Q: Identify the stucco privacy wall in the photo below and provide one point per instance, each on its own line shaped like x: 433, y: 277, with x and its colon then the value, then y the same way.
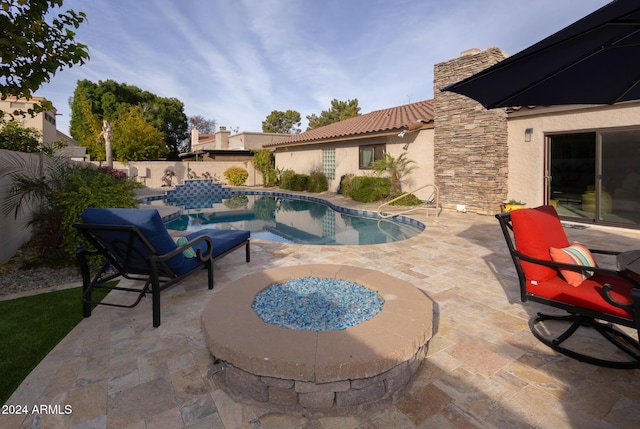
x: 307, y: 158
x: 527, y: 168
x: 14, y: 232
x: 470, y: 142
x: 150, y: 173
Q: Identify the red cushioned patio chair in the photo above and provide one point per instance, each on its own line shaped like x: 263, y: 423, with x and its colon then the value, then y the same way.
x: 136, y: 245
x: 553, y: 272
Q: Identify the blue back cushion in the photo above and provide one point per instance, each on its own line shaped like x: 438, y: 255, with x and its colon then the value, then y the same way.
x: 148, y: 221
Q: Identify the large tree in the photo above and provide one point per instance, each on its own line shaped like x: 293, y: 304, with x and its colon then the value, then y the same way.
x: 33, y: 48
x: 109, y: 100
x: 282, y: 122
x: 135, y: 139
x: 203, y: 125
x: 340, y: 110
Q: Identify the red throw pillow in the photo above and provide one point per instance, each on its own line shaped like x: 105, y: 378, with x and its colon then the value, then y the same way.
x: 535, y: 231
x: 576, y: 254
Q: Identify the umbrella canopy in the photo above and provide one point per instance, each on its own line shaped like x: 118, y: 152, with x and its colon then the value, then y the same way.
x: 595, y: 60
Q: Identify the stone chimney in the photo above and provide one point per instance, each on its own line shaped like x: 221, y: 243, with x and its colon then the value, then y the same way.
x: 222, y: 138
x: 470, y: 142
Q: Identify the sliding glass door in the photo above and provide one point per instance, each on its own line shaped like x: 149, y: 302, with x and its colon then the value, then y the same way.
x: 595, y: 176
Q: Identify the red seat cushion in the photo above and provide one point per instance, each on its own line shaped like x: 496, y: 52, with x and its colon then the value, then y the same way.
x: 588, y: 294
x: 535, y: 231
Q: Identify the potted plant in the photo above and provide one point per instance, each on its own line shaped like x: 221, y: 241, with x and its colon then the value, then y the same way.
x: 512, y: 205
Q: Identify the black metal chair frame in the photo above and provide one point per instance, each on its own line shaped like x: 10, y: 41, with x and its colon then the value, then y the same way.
x: 132, y: 264
x: 579, y: 316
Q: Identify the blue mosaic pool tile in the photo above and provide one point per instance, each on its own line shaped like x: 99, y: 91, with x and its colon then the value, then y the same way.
x: 196, y: 193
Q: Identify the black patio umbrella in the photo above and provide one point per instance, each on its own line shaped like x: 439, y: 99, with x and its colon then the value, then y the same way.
x: 595, y: 60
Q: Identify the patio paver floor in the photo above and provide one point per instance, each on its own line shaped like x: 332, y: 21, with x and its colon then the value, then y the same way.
x: 483, y: 368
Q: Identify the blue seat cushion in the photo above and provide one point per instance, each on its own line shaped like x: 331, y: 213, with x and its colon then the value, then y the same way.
x: 150, y: 225
x: 223, y: 241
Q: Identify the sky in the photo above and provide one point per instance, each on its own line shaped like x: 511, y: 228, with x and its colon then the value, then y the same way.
x: 236, y: 61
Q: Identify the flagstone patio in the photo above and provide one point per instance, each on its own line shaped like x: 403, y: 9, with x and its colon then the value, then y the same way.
x: 483, y: 367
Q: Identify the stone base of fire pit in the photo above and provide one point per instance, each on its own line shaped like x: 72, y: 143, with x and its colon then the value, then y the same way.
x: 327, y: 372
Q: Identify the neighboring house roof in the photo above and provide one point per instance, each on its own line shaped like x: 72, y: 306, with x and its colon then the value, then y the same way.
x: 409, y: 117
x: 68, y: 140
x: 206, y: 138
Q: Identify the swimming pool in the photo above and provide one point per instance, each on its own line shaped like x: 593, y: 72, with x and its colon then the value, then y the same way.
x: 289, y: 219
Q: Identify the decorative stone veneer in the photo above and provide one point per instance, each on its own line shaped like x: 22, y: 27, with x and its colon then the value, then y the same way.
x: 334, y: 372
x: 470, y: 142
x: 304, y: 397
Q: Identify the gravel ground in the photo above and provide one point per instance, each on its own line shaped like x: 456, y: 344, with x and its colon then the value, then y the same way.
x: 15, y: 279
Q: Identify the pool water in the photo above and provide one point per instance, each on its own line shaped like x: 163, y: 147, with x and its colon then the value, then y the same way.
x: 292, y: 220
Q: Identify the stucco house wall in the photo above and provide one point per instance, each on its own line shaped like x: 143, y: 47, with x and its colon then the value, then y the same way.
x: 223, y: 139
x: 305, y: 159
x: 252, y: 140
x: 45, y: 122
x: 527, y: 163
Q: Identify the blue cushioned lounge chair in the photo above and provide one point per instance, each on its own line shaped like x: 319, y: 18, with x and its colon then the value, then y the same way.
x: 136, y: 245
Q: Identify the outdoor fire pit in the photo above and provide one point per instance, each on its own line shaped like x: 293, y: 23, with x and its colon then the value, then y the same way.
x: 320, y: 339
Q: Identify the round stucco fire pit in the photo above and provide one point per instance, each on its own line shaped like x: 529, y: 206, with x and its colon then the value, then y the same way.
x: 315, y: 370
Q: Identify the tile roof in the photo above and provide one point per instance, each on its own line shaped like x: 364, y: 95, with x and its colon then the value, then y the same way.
x: 206, y: 137
x: 408, y: 117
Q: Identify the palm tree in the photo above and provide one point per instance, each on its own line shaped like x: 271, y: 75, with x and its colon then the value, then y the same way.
x: 36, y: 185
x: 397, y: 168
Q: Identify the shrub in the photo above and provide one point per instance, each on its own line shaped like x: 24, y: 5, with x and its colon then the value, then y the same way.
x: 264, y: 161
x: 300, y: 182
x: 286, y: 179
x: 318, y: 182
x: 293, y: 181
x: 64, y: 191
x: 407, y: 200
x: 367, y: 189
x: 236, y: 176
x: 345, y: 185
x: 273, y: 178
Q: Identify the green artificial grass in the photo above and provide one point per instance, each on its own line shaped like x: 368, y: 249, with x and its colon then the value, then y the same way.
x: 30, y: 327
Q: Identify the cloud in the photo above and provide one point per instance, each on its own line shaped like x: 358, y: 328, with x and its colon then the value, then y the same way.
x: 235, y: 62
